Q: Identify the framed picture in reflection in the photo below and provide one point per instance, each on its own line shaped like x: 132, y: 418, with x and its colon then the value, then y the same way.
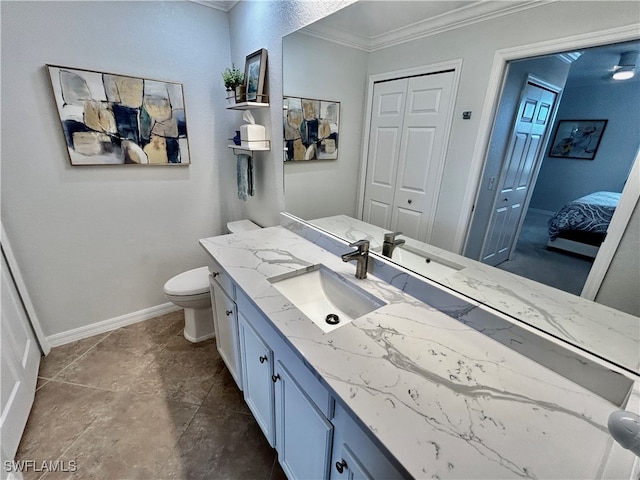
x: 577, y: 138
x: 311, y: 129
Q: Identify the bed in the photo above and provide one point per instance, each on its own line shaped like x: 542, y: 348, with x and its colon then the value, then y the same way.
x: 581, y: 225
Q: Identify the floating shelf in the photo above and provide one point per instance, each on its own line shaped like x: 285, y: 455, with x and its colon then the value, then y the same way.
x: 253, y: 148
x: 247, y: 105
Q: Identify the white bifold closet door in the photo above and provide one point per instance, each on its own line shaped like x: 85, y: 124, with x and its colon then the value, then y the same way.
x: 410, y: 119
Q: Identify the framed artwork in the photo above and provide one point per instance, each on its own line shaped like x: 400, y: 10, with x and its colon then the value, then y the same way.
x: 110, y: 119
x: 577, y: 138
x: 311, y: 129
x: 255, y: 69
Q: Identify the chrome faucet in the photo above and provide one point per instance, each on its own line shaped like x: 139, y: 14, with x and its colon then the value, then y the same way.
x: 361, y: 256
x: 390, y: 243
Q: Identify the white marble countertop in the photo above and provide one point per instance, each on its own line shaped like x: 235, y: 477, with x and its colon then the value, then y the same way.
x: 445, y: 400
x: 609, y: 333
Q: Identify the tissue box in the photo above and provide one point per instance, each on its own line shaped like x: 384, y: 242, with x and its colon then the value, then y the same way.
x: 253, y: 136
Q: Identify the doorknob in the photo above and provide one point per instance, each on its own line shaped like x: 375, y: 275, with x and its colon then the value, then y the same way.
x: 409, y: 201
x: 229, y: 312
x: 505, y: 199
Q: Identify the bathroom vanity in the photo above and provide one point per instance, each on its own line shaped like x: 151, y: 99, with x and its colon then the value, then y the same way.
x: 408, y: 389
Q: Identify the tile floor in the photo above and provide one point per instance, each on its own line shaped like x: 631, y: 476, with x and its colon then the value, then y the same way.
x: 141, y: 402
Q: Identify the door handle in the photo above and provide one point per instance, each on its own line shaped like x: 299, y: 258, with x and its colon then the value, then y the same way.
x: 263, y: 359
x: 275, y: 378
x: 340, y: 466
x: 505, y: 199
x: 409, y: 201
x: 229, y: 312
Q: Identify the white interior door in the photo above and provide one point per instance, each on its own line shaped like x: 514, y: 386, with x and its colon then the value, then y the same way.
x: 518, y: 171
x: 422, y: 154
x: 387, y: 116
x: 20, y: 357
x: 410, y: 122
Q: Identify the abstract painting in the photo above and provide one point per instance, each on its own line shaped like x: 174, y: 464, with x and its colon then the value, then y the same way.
x: 577, y: 138
x: 310, y: 129
x: 110, y: 119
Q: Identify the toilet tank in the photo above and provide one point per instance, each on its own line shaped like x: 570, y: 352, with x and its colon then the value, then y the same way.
x: 240, y: 226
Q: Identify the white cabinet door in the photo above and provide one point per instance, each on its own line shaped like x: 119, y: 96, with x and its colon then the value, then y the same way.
x: 225, y: 321
x: 257, y: 368
x: 303, y: 434
x: 355, y: 456
x: 20, y: 357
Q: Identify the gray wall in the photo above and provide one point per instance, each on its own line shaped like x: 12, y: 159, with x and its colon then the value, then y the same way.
x: 315, y: 68
x: 620, y: 288
x: 255, y: 25
x: 95, y: 243
x: 564, y: 179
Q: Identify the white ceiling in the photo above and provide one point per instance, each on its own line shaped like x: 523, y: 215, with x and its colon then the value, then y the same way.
x: 596, y: 64
x: 375, y: 24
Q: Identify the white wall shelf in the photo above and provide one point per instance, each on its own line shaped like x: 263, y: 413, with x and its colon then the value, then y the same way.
x: 264, y: 146
x: 247, y: 105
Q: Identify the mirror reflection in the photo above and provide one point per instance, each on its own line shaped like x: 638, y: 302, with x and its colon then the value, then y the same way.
x: 408, y: 138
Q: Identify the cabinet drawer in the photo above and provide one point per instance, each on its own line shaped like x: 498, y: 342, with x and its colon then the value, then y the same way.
x: 222, y: 278
x: 306, y: 378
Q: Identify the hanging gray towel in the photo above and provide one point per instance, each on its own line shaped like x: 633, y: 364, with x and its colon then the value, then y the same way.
x: 245, y: 176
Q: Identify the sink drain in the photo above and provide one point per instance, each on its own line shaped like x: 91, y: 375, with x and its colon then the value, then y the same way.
x: 332, y: 319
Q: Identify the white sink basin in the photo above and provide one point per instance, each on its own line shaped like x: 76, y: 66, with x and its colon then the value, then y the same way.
x: 322, y: 295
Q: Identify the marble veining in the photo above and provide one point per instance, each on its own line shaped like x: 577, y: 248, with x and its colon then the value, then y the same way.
x: 444, y: 399
x: 611, y: 334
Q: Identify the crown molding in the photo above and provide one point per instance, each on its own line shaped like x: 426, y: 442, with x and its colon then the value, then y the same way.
x: 225, y: 6
x: 461, y: 17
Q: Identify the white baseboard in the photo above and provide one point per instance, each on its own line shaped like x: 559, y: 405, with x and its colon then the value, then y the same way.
x: 86, y: 331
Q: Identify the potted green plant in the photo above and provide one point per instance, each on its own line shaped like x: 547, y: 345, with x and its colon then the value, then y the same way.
x: 234, y: 82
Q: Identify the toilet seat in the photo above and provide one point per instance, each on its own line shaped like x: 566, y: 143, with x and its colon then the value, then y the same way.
x: 191, y: 282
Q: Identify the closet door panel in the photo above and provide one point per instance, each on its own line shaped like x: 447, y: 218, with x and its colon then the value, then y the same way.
x: 384, y: 147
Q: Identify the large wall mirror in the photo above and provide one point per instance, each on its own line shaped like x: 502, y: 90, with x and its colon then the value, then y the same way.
x: 385, y: 60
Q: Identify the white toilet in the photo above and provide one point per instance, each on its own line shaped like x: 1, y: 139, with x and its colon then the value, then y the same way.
x: 190, y: 290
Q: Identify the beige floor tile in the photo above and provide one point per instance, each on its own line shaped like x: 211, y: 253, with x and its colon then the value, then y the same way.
x: 187, y: 371
x: 41, y: 382
x: 138, y: 435
x: 127, y: 405
x: 59, y: 416
x: 107, y: 368
x: 225, y: 395
x: 62, y: 356
x: 161, y: 329
x: 221, y: 444
x: 130, y: 359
